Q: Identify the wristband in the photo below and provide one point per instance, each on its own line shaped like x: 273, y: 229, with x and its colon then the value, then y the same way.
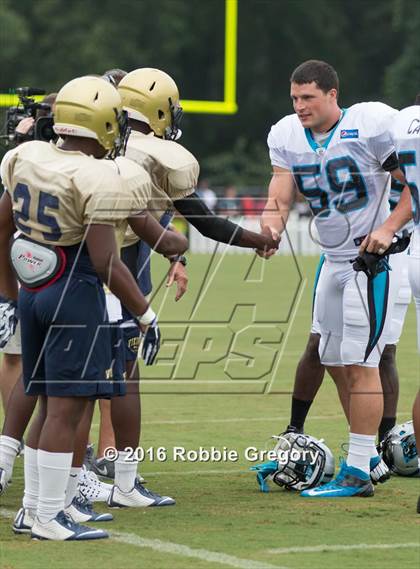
x: 178, y: 259
x: 148, y: 317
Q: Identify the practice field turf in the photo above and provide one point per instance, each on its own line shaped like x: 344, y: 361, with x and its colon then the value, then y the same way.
x: 198, y: 397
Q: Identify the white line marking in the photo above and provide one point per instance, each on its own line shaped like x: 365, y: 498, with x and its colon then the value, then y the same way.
x: 321, y: 548
x: 178, y: 549
x: 202, y: 554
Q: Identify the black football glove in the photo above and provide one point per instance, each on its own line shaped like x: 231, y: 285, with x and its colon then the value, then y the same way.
x: 372, y: 263
x: 151, y: 343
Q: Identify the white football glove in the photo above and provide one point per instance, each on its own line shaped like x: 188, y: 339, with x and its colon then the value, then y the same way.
x: 8, y: 320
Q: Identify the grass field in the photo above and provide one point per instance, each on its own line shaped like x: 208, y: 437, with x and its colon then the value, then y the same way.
x: 198, y: 396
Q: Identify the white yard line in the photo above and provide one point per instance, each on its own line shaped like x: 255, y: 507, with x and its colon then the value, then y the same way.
x: 321, y: 548
x: 185, y: 551
x: 178, y: 549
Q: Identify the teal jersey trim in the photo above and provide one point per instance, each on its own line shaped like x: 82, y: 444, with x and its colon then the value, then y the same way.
x: 313, y: 143
x: 377, y: 289
x: 318, y: 274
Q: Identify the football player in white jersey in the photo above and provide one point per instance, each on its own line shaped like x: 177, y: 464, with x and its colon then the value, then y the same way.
x: 340, y: 161
x: 310, y: 372
x: 406, y: 134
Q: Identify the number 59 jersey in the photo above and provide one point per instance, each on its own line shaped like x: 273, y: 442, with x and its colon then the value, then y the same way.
x: 56, y: 193
x: 342, y: 179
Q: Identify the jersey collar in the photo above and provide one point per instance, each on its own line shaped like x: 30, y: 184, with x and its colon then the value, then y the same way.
x: 313, y: 143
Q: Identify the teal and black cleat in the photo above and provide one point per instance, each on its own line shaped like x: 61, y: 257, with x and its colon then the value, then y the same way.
x: 350, y: 482
x: 263, y: 471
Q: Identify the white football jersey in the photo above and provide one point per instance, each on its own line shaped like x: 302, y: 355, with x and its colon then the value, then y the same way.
x: 342, y: 179
x: 406, y: 135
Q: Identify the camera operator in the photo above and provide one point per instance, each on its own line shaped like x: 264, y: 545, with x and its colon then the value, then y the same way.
x: 11, y: 365
x: 25, y: 129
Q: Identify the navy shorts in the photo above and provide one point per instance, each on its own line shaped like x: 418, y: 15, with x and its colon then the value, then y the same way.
x: 118, y: 360
x: 66, y: 338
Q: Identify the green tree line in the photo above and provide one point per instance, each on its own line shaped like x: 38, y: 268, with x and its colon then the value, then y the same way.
x: 373, y: 44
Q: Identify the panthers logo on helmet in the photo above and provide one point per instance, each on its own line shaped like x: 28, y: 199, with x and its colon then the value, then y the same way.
x: 399, y: 450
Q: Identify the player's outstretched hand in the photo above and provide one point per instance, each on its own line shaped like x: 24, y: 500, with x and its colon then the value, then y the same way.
x: 151, y: 342
x: 378, y: 241
x: 272, y: 240
x: 8, y: 320
x: 178, y: 274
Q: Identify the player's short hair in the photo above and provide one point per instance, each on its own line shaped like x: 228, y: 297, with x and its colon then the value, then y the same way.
x: 114, y: 76
x: 320, y: 72
x: 417, y: 100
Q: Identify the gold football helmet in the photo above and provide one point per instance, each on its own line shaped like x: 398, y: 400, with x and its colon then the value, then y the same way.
x: 151, y: 96
x: 91, y: 107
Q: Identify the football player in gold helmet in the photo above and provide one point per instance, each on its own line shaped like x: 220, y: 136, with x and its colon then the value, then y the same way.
x: 66, y: 202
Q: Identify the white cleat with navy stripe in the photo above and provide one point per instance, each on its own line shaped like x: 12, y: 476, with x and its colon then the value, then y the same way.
x: 81, y: 511
x: 138, y: 497
x: 23, y: 522
x: 63, y: 528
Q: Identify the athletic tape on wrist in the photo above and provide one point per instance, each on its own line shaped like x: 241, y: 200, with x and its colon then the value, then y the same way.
x: 147, y: 317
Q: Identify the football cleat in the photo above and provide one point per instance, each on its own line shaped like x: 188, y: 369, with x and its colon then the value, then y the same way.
x: 138, y: 497
x: 379, y: 471
x: 3, y: 481
x: 350, y: 482
x: 23, y: 522
x: 91, y: 488
x: 63, y: 528
x: 81, y: 511
x: 418, y: 505
x: 103, y: 467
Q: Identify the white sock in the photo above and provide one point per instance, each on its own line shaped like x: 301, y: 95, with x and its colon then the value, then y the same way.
x: 8, y: 450
x: 360, y: 451
x: 125, y: 472
x: 30, y: 467
x: 373, y: 451
x: 72, y: 484
x: 54, y: 469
